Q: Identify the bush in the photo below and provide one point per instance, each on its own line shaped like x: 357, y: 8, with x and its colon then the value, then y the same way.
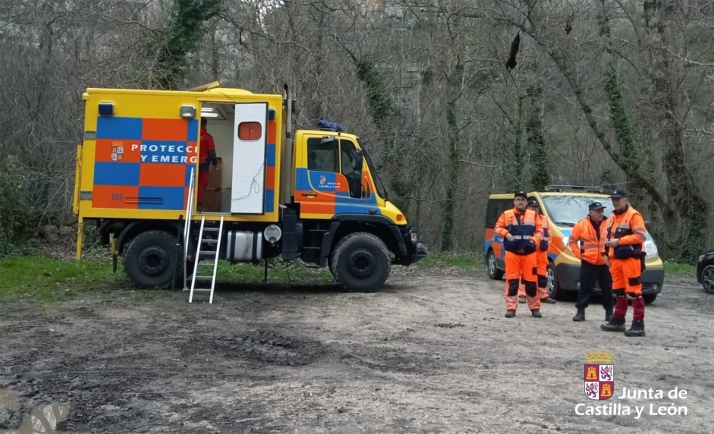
x: 18, y: 217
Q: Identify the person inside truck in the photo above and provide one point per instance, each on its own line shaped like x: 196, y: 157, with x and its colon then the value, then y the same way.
x: 207, y: 157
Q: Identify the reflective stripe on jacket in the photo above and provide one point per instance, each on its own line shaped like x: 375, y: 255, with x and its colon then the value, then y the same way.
x: 592, y: 241
x: 526, y: 228
x: 629, y: 229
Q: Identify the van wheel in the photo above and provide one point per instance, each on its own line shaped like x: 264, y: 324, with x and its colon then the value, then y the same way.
x: 493, y: 271
x: 150, y: 259
x: 360, y: 262
x: 649, y: 298
x: 554, y: 290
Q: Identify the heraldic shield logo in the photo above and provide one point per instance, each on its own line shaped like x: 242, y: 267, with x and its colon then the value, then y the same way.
x: 599, y: 375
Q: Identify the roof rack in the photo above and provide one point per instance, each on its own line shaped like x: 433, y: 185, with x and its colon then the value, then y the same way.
x: 584, y: 188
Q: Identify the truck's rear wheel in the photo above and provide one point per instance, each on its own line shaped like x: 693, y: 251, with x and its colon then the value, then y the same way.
x: 150, y: 259
x: 360, y: 262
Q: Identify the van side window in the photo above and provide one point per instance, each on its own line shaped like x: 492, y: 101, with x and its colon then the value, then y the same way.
x: 495, y: 209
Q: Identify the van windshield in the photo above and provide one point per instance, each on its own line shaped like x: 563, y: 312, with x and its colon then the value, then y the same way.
x: 567, y: 210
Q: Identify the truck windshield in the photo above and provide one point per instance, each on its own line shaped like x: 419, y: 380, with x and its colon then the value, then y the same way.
x: 381, y: 191
x: 567, y: 210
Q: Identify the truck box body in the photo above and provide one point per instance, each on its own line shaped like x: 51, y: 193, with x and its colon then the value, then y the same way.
x: 137, y: 161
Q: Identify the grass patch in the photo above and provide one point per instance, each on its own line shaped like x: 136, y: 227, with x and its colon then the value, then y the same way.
x: 279, y: 272
x: 463, y: 261
x: 53, y: 280
x: 679, y: 269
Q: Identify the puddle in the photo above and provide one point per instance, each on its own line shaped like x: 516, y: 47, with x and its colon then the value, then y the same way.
x: 43, y: 419
x: 8, y: 399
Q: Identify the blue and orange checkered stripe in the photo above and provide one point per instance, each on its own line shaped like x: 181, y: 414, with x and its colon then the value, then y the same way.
x: 144, y: 163
x: 270, y: 155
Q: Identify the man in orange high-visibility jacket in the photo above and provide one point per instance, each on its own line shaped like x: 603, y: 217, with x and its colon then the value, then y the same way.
x: 541, y: 260
x: 626, y: 235
x: 587, y: 241
x: 521, y: 230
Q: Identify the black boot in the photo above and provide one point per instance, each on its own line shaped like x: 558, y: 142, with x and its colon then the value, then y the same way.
x: 608, y: 314
x: 580, y: 316
x: 614, y: 325
x: 536, y: 313
x: 636, y: 329
x: 510, y: 313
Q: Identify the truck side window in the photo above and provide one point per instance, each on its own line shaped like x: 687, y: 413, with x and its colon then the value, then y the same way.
x: 323, y: 157
x: 354, y: 178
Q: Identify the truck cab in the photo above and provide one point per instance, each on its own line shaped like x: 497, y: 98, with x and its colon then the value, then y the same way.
x: 312, y: 195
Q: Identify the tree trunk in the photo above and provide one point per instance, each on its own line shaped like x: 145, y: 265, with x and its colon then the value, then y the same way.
x: 453, y: 91
x: 540, y: 169
x: 686, y: 221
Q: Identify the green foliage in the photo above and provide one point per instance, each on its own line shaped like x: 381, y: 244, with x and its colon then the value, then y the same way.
x: 630, y: 152
x: 679, y: 269
x: 460, y: 261
x: 694, y: 241
x: 540, y: 165
x: 52, y: 280
x: 18, y: 218
x: 452, y: 183
x: 180, y: 37
x: 381, y: 103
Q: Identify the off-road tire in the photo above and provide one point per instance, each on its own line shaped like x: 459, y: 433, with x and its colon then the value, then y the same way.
x: 360, y: 262
x: 149, y: 260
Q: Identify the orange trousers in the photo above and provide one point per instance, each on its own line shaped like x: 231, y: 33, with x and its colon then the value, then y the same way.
x: 521, y: 269
x: 542, y: 276
x: 627, y: 282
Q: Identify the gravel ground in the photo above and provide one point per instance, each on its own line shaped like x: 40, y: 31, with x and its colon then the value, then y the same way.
x: 429, y: 353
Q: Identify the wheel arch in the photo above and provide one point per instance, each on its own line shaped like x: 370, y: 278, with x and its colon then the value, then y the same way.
x: 140, y: 226
x: 345, y: 224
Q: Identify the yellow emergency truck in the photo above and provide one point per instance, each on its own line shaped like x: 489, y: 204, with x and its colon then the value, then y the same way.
x: 307, y: 194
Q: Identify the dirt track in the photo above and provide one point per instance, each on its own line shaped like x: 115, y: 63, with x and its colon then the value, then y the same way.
x: 427, y: 354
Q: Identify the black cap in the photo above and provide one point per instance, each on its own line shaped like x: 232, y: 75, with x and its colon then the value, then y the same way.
x: 533, y: 202
x: 595, y: 205
x: 619, y: 193
x: 520, y: 193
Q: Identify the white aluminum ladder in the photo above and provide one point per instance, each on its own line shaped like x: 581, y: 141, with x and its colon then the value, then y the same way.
x: 188, y: 219
x: 200, y: 252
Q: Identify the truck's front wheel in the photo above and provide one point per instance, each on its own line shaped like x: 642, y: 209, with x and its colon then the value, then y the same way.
x: 360, y: 262
x: 151, y: 258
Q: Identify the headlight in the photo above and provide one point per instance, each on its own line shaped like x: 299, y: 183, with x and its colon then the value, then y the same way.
x: 650, y: 249
x: 414, y: 237
x: 701, y: 258
x: 272, y: 234
x: 566, y: 242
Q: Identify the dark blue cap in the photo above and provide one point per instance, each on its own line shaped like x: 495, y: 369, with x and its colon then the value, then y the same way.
x: 533, y: 202
x: 595, y: 205
x: 520, y: 193
x: 619, y: 193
